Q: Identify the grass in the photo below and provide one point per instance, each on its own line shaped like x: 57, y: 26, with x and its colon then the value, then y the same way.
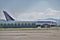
x: 14, y: 29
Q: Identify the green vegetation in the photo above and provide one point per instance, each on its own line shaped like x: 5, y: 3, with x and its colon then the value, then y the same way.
x: 12, y: 29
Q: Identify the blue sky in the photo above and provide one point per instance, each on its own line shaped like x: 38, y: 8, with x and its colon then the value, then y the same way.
x: 29, y: 7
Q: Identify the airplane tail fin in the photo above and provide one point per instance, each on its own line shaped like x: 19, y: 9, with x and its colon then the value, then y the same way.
x: 8, y: 17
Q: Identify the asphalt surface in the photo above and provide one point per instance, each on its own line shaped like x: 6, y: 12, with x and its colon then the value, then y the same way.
x: 30, y: 35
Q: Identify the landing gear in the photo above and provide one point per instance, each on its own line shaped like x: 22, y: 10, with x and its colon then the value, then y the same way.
x: 45, y: 26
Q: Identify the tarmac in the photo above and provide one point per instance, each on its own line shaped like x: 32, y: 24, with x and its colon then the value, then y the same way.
x: 30, y: 35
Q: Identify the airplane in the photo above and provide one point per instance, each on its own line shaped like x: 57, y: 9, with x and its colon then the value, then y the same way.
x: 11, y: 23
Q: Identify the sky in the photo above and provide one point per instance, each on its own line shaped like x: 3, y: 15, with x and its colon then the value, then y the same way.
x: 30, y: 9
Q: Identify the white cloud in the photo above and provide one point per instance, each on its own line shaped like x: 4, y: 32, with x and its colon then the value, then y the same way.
x: 30, y: 16
x: 49, y: 13
x: 53, y: 13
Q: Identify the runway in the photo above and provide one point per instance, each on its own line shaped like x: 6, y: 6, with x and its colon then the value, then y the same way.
x: 30, y: 35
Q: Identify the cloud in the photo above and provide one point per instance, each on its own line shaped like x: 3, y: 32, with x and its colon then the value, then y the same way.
x: 35, y: 15
x: 49, y: 13
x: 52, y: 13
x: 30, y: 16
